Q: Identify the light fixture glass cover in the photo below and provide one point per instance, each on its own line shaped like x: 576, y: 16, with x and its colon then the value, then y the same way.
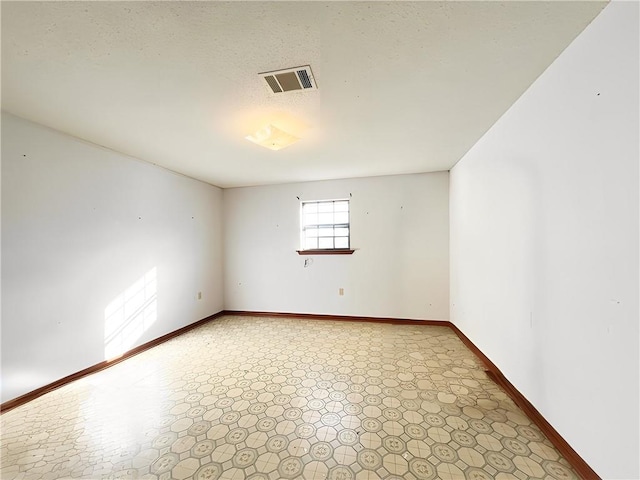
x: 272, y: 138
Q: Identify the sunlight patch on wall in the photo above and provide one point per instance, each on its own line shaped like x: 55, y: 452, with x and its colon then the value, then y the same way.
x: 130, y: 314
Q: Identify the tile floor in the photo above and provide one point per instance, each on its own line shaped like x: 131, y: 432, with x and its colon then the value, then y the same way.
x: 272, y: 398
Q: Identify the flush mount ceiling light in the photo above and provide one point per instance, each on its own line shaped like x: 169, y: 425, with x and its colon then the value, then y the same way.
x: 289, y: 80
x: 272, y: 138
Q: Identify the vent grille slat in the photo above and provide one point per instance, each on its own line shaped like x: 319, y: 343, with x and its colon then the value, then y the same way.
x: 288, y: 81
x: 304, y: 79
x: 273, y: 84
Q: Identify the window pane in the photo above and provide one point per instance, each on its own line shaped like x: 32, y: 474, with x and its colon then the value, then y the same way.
x: 311, y: 232
x: 326, y: 232
x: 325, y: 207
x: 325, y: 218
x: 342, y: 217
x: 310, y: 243
x: 342, y: 232
x: 325, y: 242
x: 309, y: 207
x: 341, y: 206
x: 342, y: 242
x: 311, y: 219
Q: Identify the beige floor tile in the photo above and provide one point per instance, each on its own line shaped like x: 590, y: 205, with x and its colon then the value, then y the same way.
x: 273, y: 398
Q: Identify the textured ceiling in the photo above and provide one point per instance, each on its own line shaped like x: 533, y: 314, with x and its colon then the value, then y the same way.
x: 403, y: 87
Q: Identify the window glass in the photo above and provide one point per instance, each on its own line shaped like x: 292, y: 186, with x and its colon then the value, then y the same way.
x: 325, y: 242
x: 342, y: 242
x: 341, y: 206
x: 342, y: 217
x: 325, y: 218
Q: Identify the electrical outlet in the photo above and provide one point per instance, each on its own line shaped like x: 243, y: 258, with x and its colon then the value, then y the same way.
x: 341, y: 291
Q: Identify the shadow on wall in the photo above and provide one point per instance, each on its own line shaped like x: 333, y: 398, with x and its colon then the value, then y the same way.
x: 130, y: 314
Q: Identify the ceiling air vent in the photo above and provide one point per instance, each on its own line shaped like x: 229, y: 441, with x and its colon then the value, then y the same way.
x: 290, y: 80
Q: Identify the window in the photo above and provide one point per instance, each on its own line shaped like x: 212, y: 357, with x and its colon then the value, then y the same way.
x: 325, y: 227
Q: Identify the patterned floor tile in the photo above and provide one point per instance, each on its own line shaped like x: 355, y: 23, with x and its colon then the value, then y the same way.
x: 272, y: 398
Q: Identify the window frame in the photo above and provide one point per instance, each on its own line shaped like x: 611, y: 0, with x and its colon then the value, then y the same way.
x: 325, y: 251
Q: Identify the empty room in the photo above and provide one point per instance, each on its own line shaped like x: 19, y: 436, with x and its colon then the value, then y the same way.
x: 320, y: 240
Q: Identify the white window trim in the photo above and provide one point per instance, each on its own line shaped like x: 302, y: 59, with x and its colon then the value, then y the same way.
x: 333, y: 225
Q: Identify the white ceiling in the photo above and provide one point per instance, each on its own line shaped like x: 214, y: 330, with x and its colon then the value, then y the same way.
x: 403, y: 87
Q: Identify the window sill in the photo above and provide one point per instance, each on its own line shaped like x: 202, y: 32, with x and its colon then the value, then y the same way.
x: 333, y: 251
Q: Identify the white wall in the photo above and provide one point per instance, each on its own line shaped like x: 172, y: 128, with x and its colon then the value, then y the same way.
x: 80, y: 225
x: 399, y: 226
x: 544, y: 243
